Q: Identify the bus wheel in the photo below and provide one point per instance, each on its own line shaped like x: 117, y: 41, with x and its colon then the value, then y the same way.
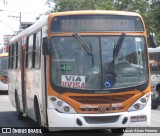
x: 118, y: 131
x: 18, y: 112
x: 37, y: 113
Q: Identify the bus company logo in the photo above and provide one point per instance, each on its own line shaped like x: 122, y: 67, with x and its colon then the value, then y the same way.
x: 102, y: 109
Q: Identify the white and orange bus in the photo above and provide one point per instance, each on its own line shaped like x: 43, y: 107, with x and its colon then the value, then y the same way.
x: 82, y: 70
x: 3, y: 72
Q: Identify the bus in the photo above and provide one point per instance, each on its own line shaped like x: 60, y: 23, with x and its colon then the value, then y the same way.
x: 82, y: 70
x: 154, y: 54
x: 3, y: 72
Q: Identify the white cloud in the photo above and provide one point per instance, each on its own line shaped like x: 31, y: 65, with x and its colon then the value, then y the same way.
x: 29, y: 8
x: 27, y: 5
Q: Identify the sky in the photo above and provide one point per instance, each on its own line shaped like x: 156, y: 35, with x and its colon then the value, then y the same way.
x: 29, y: 9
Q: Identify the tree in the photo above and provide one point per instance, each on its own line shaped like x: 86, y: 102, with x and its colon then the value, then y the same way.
x: 121, y: 4
x: 155, y: 18
x: 127, y: 5
x: 51, y: 5
x: 70, y: 5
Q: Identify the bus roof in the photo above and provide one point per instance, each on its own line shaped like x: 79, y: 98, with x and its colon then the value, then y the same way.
x: 153, y: 50
x: 111, y: 12
x: 44, y: 21
x: 4, y: 55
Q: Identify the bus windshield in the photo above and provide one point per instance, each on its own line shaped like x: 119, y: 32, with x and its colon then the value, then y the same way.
x: 73, y: 67
x: 3, y: 66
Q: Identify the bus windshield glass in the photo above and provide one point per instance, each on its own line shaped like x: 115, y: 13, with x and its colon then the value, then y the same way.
x: 90, y: 23
x: 3, y: 66
x: 73, y: 67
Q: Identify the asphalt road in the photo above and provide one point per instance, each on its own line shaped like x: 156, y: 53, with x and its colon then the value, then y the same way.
x: 8, y: 119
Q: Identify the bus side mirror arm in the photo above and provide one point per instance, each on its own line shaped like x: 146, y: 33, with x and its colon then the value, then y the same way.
x: 45, y: 46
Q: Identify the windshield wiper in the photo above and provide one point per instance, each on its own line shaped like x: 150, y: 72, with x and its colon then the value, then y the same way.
x: 92, y: 55
x: 116, y: 51
x: 84, y: 45
x: 118, y: 46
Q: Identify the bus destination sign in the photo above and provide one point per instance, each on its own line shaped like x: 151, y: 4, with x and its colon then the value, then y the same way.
x: 97, y: 23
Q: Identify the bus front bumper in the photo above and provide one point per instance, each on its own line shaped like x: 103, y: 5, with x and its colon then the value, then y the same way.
x: 61, y: 121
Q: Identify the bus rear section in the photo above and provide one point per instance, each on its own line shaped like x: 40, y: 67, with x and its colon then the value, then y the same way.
x: 3, y: 72
x: 82, y: 70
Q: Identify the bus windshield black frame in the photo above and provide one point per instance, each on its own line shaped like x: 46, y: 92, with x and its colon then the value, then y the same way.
x: 96, y: 23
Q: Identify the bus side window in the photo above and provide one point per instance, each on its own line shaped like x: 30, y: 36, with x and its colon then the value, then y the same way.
x: 18, y: 54
x: 36, y: 50
x: 10, y: 57
x: 29, y: 52
x: 33, y: 53
x: 15, y: 55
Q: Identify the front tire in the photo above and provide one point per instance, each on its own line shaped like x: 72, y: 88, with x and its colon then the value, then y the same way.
x: 37, y: 113
x: 18, y: 112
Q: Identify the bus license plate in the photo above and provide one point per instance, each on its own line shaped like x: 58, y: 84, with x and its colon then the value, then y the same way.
x: 138, y: 118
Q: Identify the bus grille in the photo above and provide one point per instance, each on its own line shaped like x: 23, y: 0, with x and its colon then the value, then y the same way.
x: 102, y: 119
x: 101, y: 99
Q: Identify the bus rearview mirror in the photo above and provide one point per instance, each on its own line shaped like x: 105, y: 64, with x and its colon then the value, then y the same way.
x: 45, y: 46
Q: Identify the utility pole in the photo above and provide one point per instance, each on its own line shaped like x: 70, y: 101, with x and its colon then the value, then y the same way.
x: 19, y: 18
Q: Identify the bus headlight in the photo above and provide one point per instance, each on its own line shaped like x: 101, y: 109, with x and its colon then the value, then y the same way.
x: 140, y: 103
x: 61, y: 106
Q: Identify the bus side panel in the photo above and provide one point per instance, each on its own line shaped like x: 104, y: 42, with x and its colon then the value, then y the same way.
x: 14, y: 77
x: 11, y: 91
x: 33, y: 88
x: 18, y: 88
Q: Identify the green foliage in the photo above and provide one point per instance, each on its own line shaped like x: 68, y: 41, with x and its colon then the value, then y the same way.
x: 70, y: 5
x: 149, y: 9
x: 155, y: 18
